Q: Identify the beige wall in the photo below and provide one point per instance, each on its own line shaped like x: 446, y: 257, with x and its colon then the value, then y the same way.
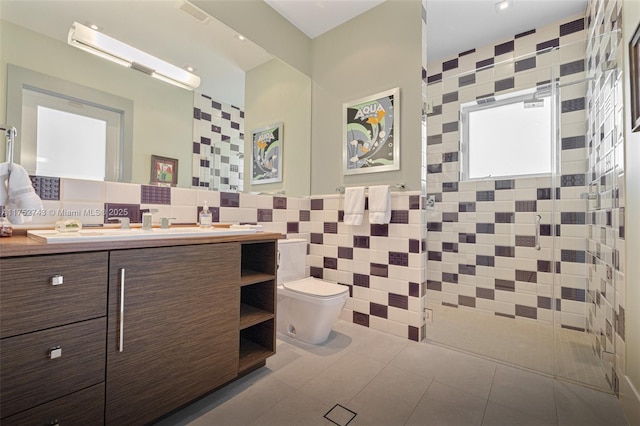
x: 276, y: 92
x: 163, y: 123
x: 629, y: 397
x: 376, y: 51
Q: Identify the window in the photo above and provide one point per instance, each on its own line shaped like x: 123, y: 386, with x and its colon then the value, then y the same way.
x: 35, y: 100
x: 509, y: 135
x: 64, y: 131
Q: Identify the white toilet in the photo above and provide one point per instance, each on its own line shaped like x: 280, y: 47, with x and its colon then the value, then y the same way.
x: 307, y: 307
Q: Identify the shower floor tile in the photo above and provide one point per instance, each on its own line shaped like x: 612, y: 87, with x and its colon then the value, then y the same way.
x: 523, y: 343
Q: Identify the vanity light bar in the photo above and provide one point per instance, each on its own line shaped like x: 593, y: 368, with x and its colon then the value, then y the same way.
x: 101, y: 45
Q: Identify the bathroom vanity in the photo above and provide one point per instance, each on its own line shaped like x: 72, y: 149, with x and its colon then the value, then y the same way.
x: 125, y: 332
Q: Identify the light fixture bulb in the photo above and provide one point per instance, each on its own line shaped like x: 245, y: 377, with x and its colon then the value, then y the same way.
x: 502, y: 5
x: 241, y: 37
x: 97, y: 43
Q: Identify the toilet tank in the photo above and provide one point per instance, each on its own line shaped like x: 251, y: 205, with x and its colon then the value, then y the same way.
x: 292, y: 259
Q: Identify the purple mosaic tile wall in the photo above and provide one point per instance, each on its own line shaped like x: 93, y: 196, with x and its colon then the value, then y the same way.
x: 218, y: 145
x: 480, y: 234
x: 47, y: 188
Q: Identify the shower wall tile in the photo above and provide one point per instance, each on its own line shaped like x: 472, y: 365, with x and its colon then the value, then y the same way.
x: 485, y: 230
x: 605, y: 279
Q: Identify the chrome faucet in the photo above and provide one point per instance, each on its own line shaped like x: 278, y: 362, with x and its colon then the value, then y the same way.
x: 164, y: 222
x: 124, y: 221
x: 147, y: 219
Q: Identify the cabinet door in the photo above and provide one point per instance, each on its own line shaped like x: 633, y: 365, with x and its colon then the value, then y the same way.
x: 179, y: 328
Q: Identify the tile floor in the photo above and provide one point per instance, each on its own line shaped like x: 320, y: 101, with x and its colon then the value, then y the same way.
x: 385, y: 380
x: 531, y: 344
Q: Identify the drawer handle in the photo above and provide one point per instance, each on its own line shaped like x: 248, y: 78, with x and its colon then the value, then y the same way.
x: 54, y: 422
x: 57, y: 280
x: 55, y: 352
x: 121, y: 336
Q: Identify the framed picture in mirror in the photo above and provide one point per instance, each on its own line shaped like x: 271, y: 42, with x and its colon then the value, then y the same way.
x: 371, y: 138
x: 266, y: 149
x: 634, y: 76
x: 164, y: 171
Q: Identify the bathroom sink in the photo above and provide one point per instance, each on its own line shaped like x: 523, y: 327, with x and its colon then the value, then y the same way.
x: 95, y: 235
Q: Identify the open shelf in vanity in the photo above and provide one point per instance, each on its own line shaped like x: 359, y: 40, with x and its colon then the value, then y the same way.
x: 257, y: 326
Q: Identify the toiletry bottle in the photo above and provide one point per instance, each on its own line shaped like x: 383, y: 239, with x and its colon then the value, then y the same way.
x: 205, y: 216
x: 6, y: 230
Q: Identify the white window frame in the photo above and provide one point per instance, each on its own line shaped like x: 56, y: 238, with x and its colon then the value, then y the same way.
x: 530, y: 95
x: 19, y: 78
x: 33, y: 99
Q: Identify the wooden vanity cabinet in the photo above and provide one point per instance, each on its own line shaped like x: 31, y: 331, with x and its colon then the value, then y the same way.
x: 174, y: 335
x: 52, y: 352
x: 141, y: 332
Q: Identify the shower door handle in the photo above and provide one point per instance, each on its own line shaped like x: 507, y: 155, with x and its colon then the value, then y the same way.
x: 538, y: 218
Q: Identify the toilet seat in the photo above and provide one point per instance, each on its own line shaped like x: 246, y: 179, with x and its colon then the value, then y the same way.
x: 316, y: 288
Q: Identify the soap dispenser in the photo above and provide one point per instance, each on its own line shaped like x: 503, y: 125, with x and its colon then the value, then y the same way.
x: 206, y: 218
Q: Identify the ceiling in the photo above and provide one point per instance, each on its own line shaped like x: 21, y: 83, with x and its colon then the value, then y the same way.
x: 221, y: 59
x: 453, y: 26
x: 315, y: 17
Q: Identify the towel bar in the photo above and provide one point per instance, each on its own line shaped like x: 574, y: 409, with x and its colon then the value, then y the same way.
x: 396, y: 187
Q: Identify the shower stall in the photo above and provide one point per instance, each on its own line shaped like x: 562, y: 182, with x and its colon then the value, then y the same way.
x: 524, y: 163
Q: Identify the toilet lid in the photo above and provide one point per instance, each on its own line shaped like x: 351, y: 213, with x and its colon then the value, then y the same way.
x: 315, y: 287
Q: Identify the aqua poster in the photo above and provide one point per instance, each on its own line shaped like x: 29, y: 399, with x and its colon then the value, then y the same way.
x: 371, y: 142
x: 267, y: 155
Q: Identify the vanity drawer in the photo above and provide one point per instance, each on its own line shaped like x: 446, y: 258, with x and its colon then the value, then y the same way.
x: 29, y: 301
x: 31, y: 374
x: 82, y: 408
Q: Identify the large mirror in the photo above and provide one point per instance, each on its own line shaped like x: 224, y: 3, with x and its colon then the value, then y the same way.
x: 247, y: 87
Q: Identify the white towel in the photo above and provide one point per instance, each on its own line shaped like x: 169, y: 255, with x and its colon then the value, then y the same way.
x: 353, y: 205
x: 17, y: 194
x: 379, y: 204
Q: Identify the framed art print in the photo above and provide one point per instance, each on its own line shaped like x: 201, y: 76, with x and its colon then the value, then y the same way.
x: 266, y: 148
x: 371, y: 140
x: 164, y: 171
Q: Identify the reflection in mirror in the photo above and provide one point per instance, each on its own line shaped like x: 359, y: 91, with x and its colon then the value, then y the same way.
x: 162, y: 118
x: 278, y: 93
x: 57, y: 120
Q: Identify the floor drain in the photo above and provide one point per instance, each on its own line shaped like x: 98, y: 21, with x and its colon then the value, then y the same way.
x: 340, y: 415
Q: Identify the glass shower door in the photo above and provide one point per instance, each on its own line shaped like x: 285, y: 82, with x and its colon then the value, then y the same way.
x: 490, y: 268
x: 523, y: 268
x: 588, y: 225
